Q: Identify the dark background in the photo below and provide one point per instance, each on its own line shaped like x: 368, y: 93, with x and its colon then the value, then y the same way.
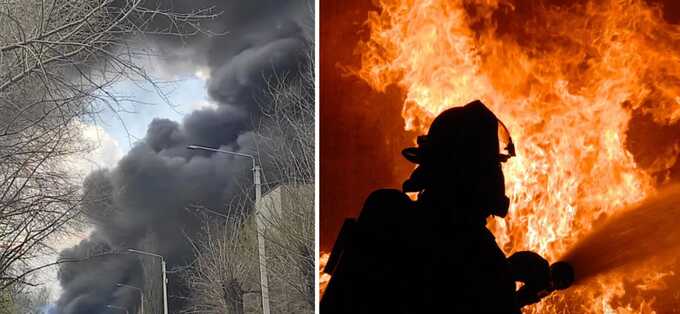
x: 361, y: 130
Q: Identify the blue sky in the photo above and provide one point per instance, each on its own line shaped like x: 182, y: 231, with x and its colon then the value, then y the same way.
x: 144, y: 103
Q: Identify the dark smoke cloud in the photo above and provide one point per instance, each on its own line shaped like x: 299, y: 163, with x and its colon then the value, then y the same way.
x: 86, y: 294
x: 146, y: 194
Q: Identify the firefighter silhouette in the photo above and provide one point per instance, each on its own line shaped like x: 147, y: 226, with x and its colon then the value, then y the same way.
x: 435, y: 255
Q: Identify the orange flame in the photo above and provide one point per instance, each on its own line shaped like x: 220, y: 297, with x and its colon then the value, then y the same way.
x: 323, y: 277
x: 566, y: 81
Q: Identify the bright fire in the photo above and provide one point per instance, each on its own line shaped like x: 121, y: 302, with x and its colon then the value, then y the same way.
x: 323, y: 277
x: 565, y: 80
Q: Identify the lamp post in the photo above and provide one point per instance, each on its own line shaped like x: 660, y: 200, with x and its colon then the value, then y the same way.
x: 165, y: 279
x: 118, y: 308
x: 141, y: 295
x: 260, y: 226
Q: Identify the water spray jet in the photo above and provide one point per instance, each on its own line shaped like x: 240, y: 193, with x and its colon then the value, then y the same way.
x: 644, y: 231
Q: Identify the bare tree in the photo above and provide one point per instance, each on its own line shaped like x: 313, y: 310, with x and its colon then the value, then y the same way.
x: 286, y: 144
x: 222, y: 274
x: 288, y: 218
x: 7, y: 305
x: 28, y: 300
x: 58, y: 60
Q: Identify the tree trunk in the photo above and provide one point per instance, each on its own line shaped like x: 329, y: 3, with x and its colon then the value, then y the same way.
x: 233, y: 297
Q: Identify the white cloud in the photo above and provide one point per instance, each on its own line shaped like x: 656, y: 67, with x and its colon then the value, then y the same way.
x: 103, y: 151
x: 203, y: 74
x: 202, y: 104
x: 106, y: 151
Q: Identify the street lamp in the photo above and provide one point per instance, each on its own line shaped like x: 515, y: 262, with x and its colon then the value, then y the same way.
x: 141, y: 295
x: 165, y: 279
x: 118, y: 308
x: 260, y: 226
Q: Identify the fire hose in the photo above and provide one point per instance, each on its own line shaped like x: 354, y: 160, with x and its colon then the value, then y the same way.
x: 539, y: 277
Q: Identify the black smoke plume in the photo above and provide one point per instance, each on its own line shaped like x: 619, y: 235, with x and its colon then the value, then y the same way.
x: 146, y: 194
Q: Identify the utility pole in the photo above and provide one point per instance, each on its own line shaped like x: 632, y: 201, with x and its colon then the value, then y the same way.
x: 262, y: 256
x: 165, y: 279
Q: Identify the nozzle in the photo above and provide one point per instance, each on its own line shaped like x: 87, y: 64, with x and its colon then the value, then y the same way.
x: 562, y: 275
